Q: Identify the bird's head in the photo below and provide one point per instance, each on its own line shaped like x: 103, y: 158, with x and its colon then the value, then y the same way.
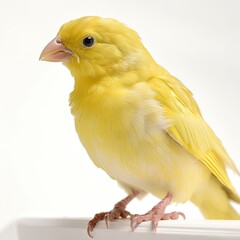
x: 93, y: 46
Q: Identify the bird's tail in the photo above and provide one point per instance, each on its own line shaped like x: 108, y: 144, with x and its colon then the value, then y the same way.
x: 213, y: 201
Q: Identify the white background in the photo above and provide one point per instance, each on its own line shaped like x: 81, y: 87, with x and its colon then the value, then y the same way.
x: 44, y: 170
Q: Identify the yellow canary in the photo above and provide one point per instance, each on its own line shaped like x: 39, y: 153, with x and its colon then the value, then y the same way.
x: 140, y: 124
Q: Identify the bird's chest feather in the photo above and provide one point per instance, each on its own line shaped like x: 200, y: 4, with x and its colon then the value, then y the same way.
x: 125, y: 134
x: 118, y: 122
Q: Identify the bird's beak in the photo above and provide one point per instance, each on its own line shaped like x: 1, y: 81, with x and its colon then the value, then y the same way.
x: 55, y: 52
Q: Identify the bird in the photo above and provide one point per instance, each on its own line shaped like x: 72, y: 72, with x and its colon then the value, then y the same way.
x: 140, y: 124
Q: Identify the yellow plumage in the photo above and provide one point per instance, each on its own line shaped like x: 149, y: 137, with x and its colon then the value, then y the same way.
x: 140, y: 124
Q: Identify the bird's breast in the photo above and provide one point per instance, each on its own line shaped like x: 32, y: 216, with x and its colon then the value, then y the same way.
x: 124, y: 133
x: 120, y: 118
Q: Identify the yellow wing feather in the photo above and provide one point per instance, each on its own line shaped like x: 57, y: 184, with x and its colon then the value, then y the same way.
x: 189, y: 129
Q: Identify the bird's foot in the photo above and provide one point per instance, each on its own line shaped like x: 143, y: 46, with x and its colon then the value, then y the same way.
x: 154, y: 217
x: 117, y: 212
x: 156, y: 214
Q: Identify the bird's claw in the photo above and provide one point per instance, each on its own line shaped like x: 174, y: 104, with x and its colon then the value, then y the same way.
x: 107, y: 219
x: 89, y: 231
x: 116, y: 213
x: 155, y: 218
x: 91, y: 225
x: 154, y: 223
x: 135, y: 221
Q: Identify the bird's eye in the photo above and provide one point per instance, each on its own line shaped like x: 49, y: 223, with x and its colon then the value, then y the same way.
x: 88, y: 41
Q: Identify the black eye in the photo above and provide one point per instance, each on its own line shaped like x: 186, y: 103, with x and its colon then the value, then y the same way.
x: 88, y: 41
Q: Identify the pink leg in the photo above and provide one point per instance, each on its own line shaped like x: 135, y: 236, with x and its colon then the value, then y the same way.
x: 117, y: 212
x: 156, y: 214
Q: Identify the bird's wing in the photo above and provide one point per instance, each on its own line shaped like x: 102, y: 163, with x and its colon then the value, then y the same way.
x: 189, y: 129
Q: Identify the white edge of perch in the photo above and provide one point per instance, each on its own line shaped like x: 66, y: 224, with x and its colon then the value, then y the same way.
x: 75, y: 229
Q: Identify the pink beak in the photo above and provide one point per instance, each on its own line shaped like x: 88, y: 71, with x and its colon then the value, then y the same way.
x: 55, y: 52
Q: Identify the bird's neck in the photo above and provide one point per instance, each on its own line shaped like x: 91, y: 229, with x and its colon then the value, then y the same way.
x: 138, y: 61
x: 96, y: 81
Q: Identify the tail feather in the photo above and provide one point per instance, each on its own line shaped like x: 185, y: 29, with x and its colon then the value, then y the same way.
x: 213, y: 201
x: 232, y: 196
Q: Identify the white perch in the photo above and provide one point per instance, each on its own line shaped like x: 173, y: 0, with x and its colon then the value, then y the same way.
x: 75, y: 229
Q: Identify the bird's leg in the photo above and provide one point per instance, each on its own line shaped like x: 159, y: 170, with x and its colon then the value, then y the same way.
x: 117, y: 212
x: 156, y: 214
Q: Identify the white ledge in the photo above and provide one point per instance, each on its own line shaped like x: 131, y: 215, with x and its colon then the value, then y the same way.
x: 75, y: 229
